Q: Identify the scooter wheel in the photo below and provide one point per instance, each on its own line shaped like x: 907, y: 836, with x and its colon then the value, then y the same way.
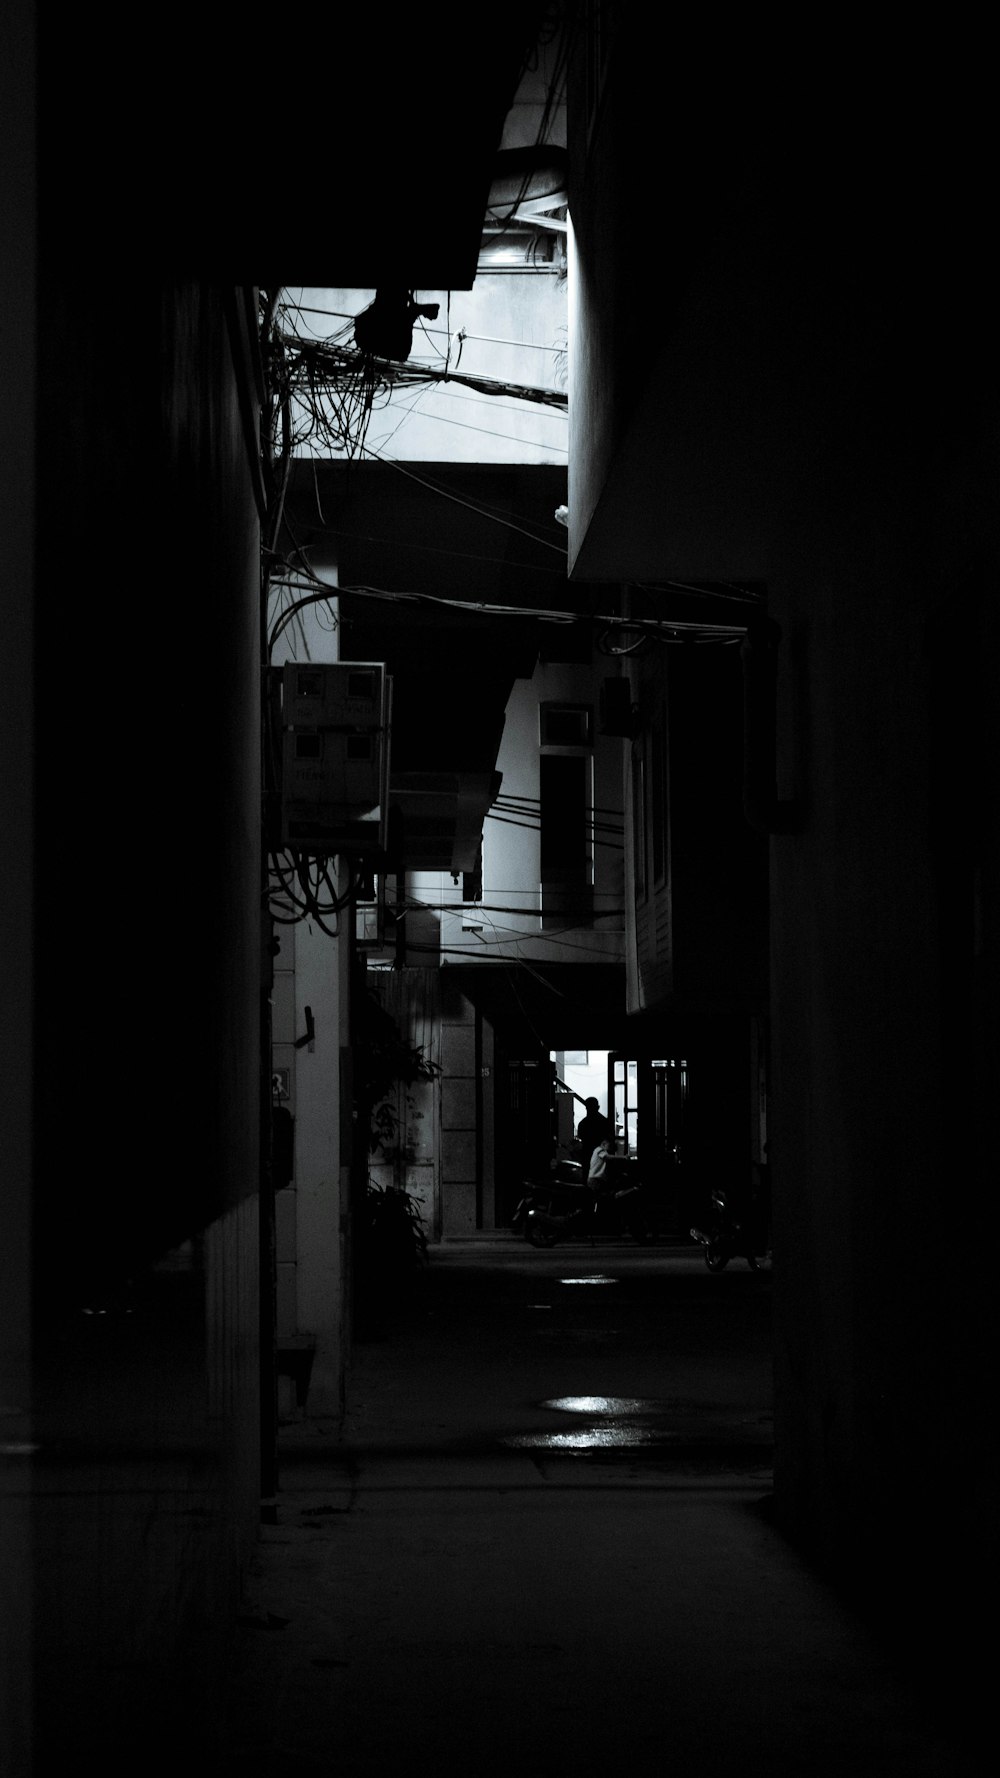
x: 539, y: 1233
x: 716, y: 1259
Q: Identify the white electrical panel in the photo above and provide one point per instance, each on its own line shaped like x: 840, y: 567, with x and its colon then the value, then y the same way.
x: 334, y: 721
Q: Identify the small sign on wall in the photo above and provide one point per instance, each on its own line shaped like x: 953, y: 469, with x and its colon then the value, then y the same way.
x: 280, y: 1085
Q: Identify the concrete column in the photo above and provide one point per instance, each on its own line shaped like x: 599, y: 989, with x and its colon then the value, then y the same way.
x: 310, y: 1216
x: 458, y: 1120
x: 320, y: 1178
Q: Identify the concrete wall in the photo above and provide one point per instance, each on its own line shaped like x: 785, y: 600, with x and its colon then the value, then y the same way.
x: 312, y: 969
x: 884, y: 919
x: 147, y: 975
x: 698, y: 928
x: 321, y: 1176
x: 817, y: 410
x: 18, y: 369
x: 511, y: 842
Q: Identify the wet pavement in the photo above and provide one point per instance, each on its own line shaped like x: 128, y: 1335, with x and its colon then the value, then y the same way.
x: 541, y: 1541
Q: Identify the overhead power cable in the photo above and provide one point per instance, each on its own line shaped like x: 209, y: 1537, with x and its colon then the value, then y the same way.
x: 484, y: 339
x: 606, y: 623
x: 474, y: 506
x: 535, y: 827
x: 322, y: 364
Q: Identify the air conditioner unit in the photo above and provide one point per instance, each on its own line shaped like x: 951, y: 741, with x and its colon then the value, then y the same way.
x: 333, y: 720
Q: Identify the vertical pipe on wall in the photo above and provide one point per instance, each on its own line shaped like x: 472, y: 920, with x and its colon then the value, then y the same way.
x: 759, y: 654
x: 478, y: 1065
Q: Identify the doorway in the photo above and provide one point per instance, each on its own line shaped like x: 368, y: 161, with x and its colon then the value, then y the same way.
x: 648, y: 1096
x: 578, y: 1075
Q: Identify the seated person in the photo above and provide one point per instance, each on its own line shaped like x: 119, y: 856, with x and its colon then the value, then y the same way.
x: 598, y: 1173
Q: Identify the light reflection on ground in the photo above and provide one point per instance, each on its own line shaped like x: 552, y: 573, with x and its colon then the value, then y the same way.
x: 594, y: 1278
x: 590, y: 1438
x: 622, y: 1421
x: 603, y: 1404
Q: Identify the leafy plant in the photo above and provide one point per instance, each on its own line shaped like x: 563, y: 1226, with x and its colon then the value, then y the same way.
x: 395, y: 1225
x: 383, y: 1060
x: 390, y: 1240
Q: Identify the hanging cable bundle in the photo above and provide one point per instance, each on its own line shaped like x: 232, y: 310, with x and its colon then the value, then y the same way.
x: 331, y: 390
x: 301, y: 887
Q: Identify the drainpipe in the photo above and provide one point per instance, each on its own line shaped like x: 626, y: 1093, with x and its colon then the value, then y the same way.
x: 759, y: 653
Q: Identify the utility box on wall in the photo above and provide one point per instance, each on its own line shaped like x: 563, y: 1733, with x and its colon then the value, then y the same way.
x: 333, y: 723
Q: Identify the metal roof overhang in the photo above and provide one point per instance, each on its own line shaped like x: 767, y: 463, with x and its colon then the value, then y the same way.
x: 547, y: 1006
x: 559, y: 1005
x: 383, y: 180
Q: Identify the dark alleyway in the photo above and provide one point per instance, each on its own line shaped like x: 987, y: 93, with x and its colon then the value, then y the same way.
x: 542, y: 1544
x: 470, y: 1574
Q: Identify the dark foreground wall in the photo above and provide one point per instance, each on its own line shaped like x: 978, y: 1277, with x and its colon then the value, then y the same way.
x: 817, y: 412
x: 884, y: 1009
x: 145, y: 1478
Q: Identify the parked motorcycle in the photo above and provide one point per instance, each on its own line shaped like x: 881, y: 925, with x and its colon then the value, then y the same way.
x: 727, y: 1236
x: 565, y: 1207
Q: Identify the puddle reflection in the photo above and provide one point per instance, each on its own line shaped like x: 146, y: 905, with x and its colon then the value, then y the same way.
x: 603, y: 1404
x: 589, y: 1438
x: 593, y: 1278
x: 623, y: 1421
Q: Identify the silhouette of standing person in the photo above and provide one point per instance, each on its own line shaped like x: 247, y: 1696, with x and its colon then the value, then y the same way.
x: 592, y: 1129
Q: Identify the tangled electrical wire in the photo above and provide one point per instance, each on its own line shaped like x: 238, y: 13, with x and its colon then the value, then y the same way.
x: 326, y: 391
x: 301, y: 887
x: 323, y: 392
